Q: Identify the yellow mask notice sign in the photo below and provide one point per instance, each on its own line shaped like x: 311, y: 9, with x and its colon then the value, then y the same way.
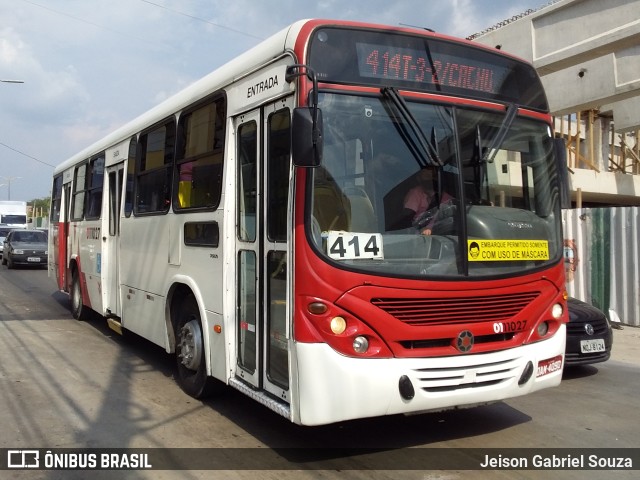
x: 507, y: 250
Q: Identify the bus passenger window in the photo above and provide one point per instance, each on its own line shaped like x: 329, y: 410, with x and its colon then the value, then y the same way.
x: 79, y: 186
x: 154, y: 168
x: 131, y: 170
x: 199, y: 157
x: 95, y: 182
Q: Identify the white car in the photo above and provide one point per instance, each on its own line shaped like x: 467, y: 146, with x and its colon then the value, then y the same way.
x: 3, y: 234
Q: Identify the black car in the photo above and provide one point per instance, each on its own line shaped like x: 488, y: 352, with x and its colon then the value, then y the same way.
x: 24, y: 247
x: 589, y: 334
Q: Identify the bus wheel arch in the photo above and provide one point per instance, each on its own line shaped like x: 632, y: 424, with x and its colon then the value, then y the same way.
x: 78, y: 309
x: 188, y: 338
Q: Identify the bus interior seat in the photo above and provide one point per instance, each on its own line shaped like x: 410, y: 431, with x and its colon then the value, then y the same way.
x: 330, y: 206
x: 363, y: 218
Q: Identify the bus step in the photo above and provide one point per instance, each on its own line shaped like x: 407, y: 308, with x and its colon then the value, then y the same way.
x: 261, y: 397
x: 115, y: 325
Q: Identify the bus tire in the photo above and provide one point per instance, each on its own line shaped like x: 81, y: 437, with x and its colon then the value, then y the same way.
x: 78, y: 310
x: 190, y: 354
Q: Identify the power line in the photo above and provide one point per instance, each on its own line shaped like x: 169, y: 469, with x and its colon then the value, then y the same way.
x: 202, y: 20
x: 26, y: 155
x: 88, y: 22
x: 177, y: 12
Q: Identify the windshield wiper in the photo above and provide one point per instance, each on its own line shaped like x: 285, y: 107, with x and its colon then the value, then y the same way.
x: 424, y: 149
x: 496, y: 141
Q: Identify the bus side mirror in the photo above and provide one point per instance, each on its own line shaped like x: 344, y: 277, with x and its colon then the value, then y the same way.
x: 560, y: 151
x: 306, y: 137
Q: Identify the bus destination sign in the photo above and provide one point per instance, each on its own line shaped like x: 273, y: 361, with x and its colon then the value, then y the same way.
x: 424, y: 64
x: 407, y: 64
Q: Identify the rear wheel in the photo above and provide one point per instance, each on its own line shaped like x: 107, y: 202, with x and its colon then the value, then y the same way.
x: 190, y: 355
x: 78, y: 310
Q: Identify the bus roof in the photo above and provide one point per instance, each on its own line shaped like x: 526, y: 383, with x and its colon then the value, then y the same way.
x: 271, y: 48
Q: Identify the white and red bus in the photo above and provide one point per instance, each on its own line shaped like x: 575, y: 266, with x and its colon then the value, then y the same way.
x: 254, y: 226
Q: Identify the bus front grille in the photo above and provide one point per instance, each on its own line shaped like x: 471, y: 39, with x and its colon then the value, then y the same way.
x: 455, y: 310
x: 478, y: 375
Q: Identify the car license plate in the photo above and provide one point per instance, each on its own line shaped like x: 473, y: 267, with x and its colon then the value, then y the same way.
x: 33, y: 259
x: 592, y: 346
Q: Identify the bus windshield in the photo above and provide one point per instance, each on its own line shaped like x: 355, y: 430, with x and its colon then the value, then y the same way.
x: 417, y: 193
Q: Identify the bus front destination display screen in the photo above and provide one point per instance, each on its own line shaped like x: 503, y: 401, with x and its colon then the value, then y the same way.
x: 392, y: 63
x: 382, y: 59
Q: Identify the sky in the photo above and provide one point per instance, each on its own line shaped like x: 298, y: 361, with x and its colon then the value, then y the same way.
x: 90, y: 66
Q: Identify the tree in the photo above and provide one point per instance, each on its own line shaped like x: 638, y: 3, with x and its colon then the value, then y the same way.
x: 39, y: 207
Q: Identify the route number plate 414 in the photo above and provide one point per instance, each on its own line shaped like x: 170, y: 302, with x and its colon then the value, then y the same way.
x: 354, y: 246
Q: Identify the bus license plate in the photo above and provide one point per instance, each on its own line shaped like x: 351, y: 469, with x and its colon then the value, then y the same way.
x: 592, y: 346
x: 33, y: 259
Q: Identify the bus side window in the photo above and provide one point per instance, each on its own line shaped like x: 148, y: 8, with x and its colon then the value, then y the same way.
x: 79, y: 191
x: 199, y: 157
x: 95, y: 183
x: 131, y: 173
x: 154, y: 169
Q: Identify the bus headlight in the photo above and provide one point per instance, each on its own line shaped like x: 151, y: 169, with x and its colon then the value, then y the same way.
x: 557, y: 311
x: 360, y: 344
x: 338, y: 325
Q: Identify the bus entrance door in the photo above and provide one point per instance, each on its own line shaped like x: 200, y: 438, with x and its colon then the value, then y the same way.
x: 111, y: 242
x: 263, y: 168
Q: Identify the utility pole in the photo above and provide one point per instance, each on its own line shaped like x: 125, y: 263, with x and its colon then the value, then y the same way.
x: 8, y: 179
x: 8, y: 184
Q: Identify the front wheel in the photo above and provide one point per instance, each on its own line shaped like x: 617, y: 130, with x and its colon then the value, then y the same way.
x: 190, y: 354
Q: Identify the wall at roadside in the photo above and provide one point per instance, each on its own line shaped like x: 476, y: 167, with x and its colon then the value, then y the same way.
x: 587, y: 53
x: 602, y: 259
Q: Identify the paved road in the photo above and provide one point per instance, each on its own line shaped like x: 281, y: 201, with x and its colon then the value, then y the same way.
x: 69, y: 384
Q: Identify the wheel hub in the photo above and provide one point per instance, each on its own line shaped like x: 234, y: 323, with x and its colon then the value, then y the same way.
x: 190, y: 345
